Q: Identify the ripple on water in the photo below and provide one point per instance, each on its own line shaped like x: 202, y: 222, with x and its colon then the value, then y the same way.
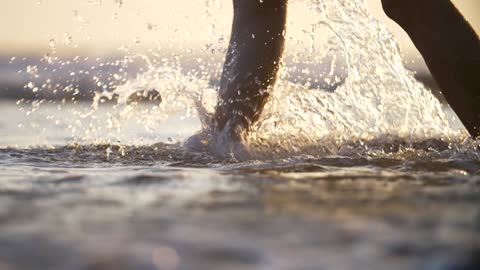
x: 362, y: 171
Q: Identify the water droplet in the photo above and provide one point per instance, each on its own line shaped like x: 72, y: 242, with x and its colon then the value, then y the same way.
x: 68, y: 39
x: 119, y: 3
x: 32, y: 70
x: 95, y: 2
x: 150, y: 26
x: 52, y: 43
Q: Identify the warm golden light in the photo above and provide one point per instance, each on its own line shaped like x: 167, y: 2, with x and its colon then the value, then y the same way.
x: 103, y: 26
x: 165, y: 258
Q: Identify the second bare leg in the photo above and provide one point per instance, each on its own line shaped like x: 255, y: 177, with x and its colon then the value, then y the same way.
x: 450, y: 48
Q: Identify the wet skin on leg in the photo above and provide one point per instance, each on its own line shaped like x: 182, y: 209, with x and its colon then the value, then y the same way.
x: 447, y: 42
x: 251, y: 65
x: 250, y: 71
x: 450, y: 48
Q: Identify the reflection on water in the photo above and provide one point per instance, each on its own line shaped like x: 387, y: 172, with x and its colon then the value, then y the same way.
x: 357, y: 165
x: 114, y: 206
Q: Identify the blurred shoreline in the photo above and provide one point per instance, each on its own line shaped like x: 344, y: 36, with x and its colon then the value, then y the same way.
x: 77, y: 78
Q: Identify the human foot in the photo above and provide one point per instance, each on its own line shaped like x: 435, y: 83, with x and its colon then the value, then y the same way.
x: 229, y: 143
x: 232, y: 141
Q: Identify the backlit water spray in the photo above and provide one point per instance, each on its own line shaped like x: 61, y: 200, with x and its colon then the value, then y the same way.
x: 342, y: 88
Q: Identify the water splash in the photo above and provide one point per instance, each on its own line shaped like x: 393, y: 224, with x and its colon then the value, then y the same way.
x: 374, y: 96
x: 378, y: 98
x: 343, y: 87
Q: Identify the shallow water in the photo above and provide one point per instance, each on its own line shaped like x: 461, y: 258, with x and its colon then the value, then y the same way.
x: 355, y: 164
x: 151, y: 206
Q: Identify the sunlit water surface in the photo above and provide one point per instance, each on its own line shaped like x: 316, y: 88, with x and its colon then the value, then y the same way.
x: 355, y: 164
x: 154, y: 206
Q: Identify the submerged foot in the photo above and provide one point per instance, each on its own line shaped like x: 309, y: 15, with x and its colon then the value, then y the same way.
x: 198, y: 142
x: 230, y: 143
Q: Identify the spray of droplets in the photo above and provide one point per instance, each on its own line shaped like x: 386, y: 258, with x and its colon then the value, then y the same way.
x: 342, y: 80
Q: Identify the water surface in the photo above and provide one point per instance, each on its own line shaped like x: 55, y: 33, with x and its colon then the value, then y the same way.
x: 151, y: 206
x: 356, y: 165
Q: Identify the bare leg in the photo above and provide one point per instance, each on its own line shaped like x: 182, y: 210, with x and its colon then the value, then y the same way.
x: 450, y: 48
x: 251, y: 64
x: 250, y: 70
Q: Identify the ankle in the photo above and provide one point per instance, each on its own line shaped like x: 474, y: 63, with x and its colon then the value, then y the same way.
x: 238, y: 122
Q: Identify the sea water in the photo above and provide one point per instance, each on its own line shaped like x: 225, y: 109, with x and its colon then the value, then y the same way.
x: 355, y: 165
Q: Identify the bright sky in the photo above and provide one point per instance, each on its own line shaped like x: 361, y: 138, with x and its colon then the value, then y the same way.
x: 102, y: 25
